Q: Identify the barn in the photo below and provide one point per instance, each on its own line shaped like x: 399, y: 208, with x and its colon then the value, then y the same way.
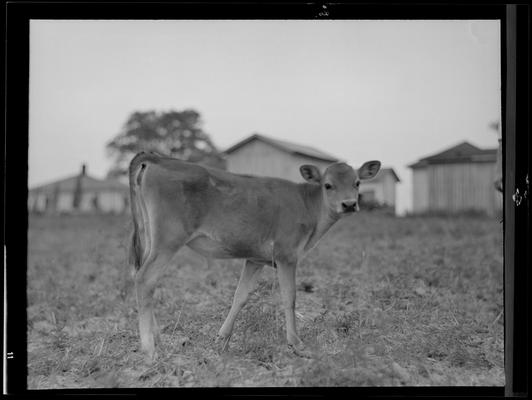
x: 457, y: 179
x: 79, y: 193
x: 380, y: 189
x: 265, y: 156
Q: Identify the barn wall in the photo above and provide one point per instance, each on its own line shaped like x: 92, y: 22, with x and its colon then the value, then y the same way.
x: 459, y: 187
x: 42, y: 202
x: 262, y: 159
x: 420, y: 201
x: 37, y: 201
x: 33, y: 202
x: 64, y: 202
x: 108, y: 201
x: 86, y: 203
x: 111, y: 202
x: 384, y: 189
x: 375, y: 187
x: 389, y: 189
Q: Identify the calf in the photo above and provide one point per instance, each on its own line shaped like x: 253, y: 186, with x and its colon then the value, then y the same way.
x: 265, y: 221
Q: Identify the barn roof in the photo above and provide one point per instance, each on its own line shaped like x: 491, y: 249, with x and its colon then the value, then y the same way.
x: 464, y: 152
x: 383, y: 172
x: 88, y: 183
x: 289, y: 147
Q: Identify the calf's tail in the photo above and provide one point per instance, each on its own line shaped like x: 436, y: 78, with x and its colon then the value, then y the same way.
x: 136, y: 168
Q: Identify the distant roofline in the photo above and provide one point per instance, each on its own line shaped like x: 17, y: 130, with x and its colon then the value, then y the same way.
x: 50, y: 185
x: 382, y: 172
x: 481, y: 156
x: 275, y: 143
x: 393, y: 173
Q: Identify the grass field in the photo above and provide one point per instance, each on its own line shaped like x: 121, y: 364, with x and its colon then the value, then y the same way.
x: 381, y: 301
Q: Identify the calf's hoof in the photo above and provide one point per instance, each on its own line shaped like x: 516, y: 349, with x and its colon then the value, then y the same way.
x: 222, y: 342
x: 157, y: 339
x: 150, y: 358
x: 147, y: 348
x: 300, y: 350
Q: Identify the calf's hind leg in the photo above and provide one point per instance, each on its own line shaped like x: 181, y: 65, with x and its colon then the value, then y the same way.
x: 145, y: 282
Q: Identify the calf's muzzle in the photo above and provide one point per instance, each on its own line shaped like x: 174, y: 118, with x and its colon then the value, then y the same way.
x: 350, y: 206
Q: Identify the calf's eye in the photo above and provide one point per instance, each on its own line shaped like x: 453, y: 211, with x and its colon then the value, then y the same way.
x: 327, y: 186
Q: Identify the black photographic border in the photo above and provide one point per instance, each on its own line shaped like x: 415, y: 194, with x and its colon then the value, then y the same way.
x: 515, y: 59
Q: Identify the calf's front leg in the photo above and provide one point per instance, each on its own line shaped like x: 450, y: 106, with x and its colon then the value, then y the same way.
x: 287, y: 283
x: 248, y: 278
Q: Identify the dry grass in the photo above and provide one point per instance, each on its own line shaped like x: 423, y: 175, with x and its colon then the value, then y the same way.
x: 382, y: 301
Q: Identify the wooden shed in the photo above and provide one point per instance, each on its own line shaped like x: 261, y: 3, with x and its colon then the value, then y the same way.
x: 380, y: 189
x: 458, y: 179
x: 79, y: 194
x: 264, y: 156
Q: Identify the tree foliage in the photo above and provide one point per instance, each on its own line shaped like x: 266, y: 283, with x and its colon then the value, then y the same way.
x: 174, y: 133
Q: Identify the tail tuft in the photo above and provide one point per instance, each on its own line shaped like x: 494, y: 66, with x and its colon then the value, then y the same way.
x: 135, y: 248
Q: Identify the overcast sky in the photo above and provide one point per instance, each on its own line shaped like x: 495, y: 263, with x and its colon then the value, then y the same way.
x: 361, y: 90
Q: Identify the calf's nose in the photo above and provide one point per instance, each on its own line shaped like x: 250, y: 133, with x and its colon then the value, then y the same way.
x: 349, y: 205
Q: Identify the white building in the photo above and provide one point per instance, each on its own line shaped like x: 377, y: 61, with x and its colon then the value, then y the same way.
x: 79, y: 194
x: 460, y: 178
x: 380, y: 189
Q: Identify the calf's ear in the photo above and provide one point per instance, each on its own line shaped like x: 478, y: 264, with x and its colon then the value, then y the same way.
x: 310, y: 173
x: 369, y: 169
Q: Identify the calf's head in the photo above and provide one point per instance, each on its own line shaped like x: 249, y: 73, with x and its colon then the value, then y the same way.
x: 340, y: 184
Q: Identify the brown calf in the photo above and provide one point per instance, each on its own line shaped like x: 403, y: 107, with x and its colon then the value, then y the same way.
x: 218, y: 214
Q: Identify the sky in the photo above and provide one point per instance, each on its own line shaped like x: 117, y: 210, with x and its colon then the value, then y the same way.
x: 395, y: 91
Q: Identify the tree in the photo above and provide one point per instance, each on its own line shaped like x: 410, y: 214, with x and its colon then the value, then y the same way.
x: 174, y: 133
